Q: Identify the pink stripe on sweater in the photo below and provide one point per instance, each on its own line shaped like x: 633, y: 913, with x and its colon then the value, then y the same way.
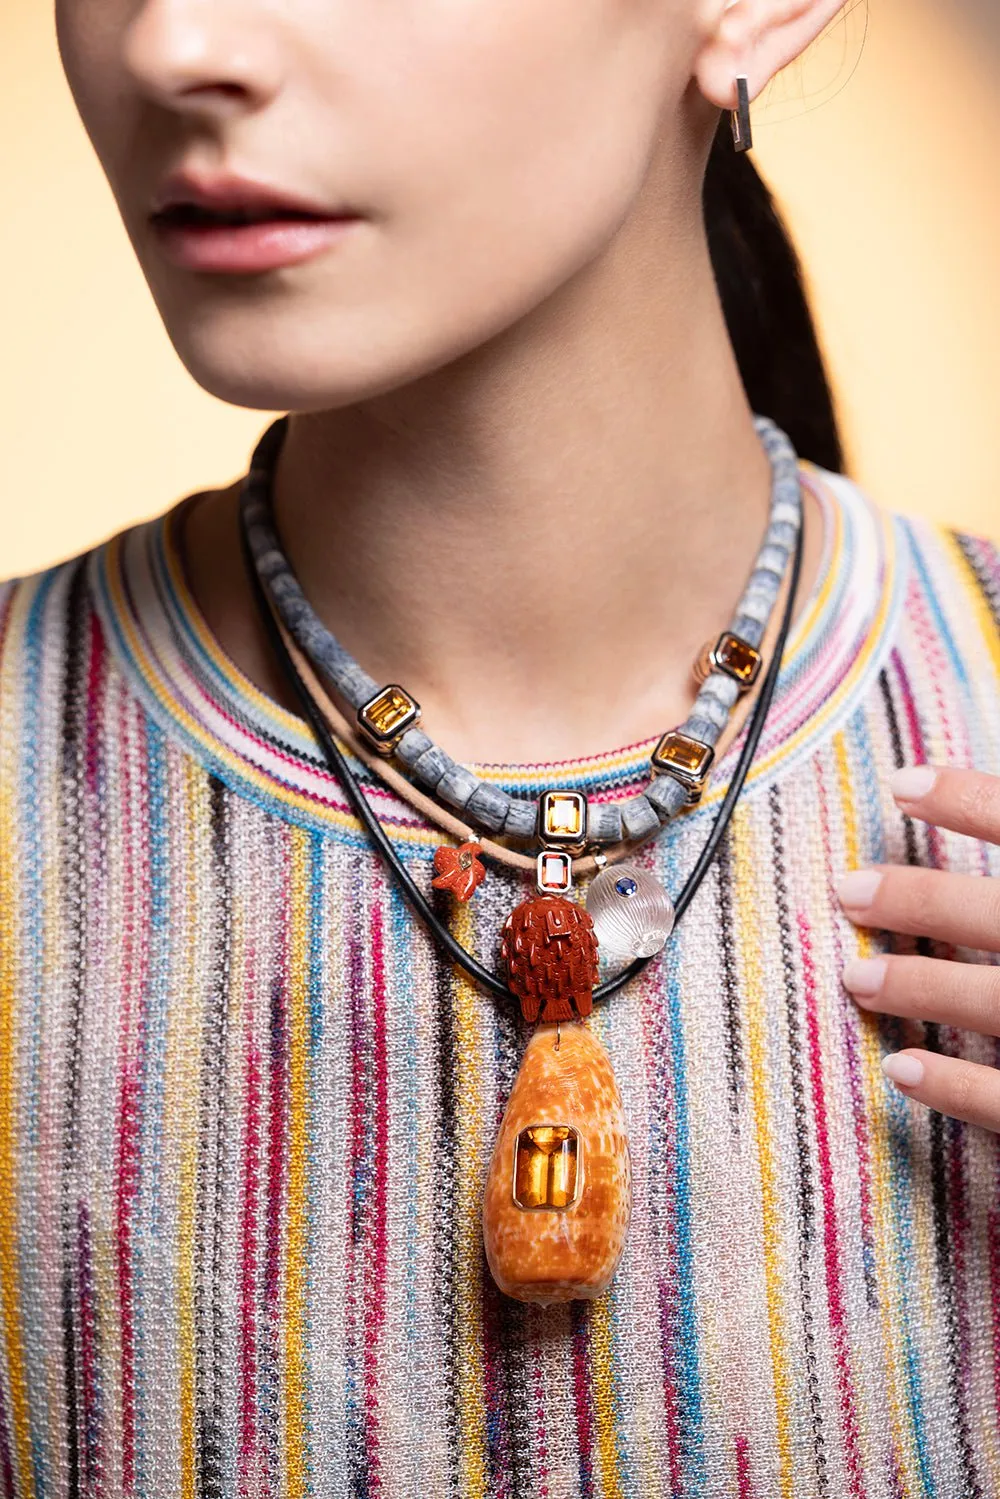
x: 744, y: 1477
x: 375, y: 1280
x: 89, y: 1359
x: 831, y: 1244
x: 248, y: 1392
x: 994, y: 1302
x: 271, y: 1369
x: 135, y: 898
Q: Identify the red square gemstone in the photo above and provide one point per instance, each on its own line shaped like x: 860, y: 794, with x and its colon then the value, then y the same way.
x: 555, y: 871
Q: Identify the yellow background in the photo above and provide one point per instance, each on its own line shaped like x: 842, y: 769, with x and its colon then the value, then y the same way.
x: 891, y: 187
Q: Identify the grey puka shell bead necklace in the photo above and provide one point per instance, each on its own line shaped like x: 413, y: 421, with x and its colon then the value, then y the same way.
x: 388, y: 714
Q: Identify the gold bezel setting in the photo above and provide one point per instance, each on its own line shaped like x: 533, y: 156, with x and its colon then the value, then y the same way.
x: 385, y: 718
x: 687, y: 759
x: 562, y: 817
x: 551, y: 1207
x: 725, y: 648
x: 554, y: 871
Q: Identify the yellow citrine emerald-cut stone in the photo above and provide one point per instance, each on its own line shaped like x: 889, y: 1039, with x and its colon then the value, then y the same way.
x: 737, y: 657
x: 564, y: 814
x: 388, y: 713
x: 545, y: 1166
x: 686, y: 758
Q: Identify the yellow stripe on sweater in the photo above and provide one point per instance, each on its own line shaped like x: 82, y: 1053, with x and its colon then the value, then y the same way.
x: 10, y: 1280
x: 297, y: 1463
x: 873, y: 1085
x: 602, y: 1366
x: 476, y: 1145
x: 187, y: 1039
x: 759, y: 1071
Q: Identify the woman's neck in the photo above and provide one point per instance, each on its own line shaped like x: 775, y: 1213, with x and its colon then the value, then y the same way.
x: 534, y: 540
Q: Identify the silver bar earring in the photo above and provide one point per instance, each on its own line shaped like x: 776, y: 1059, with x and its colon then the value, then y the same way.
x: 740, y: 116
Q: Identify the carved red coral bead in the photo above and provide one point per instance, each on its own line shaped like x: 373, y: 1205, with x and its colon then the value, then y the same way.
x: 549, y: 947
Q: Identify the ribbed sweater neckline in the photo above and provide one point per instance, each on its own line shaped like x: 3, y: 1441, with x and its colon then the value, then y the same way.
x: 194, y: 690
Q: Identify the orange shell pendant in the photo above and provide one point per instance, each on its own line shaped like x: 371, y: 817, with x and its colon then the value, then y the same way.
x: 559, y: 1189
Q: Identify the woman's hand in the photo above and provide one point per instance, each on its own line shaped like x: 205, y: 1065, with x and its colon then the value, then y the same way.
x: 956, y: 908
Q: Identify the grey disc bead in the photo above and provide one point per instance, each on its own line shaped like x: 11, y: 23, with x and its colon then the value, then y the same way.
x: 522, y: 818
x: 489, y: 807
x: 639, y: 817
x: 604, y: 822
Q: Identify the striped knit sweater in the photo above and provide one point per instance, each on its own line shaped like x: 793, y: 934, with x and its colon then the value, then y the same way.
x: 247, y: 1108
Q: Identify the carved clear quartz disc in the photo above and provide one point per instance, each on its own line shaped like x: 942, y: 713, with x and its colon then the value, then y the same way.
x: 632, y: 913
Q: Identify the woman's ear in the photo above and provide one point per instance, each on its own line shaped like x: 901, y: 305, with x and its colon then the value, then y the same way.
x: 754, y: 37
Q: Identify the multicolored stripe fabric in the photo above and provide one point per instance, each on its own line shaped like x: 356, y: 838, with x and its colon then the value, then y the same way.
x: 247, y: 1108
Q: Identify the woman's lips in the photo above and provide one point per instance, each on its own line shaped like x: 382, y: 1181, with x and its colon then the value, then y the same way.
x: 263, y: 245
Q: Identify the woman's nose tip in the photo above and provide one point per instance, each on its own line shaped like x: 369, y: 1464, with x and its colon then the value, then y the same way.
x: 198, y: 58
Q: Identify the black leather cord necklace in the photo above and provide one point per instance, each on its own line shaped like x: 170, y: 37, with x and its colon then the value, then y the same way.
x: 338, y: 765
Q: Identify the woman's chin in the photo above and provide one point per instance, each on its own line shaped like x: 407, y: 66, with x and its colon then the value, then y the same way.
x: 276, y: 379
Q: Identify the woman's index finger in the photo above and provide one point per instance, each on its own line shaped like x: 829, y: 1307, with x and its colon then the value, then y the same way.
x: 963, y: 800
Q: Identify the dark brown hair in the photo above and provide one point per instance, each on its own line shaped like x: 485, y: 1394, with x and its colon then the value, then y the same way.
x: 759, y: 276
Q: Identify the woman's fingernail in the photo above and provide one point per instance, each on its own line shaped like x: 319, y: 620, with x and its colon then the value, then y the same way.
x: 864, y: 976
x: 912, y: 783
x: 857, y: 889
x: 903, y: 1069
